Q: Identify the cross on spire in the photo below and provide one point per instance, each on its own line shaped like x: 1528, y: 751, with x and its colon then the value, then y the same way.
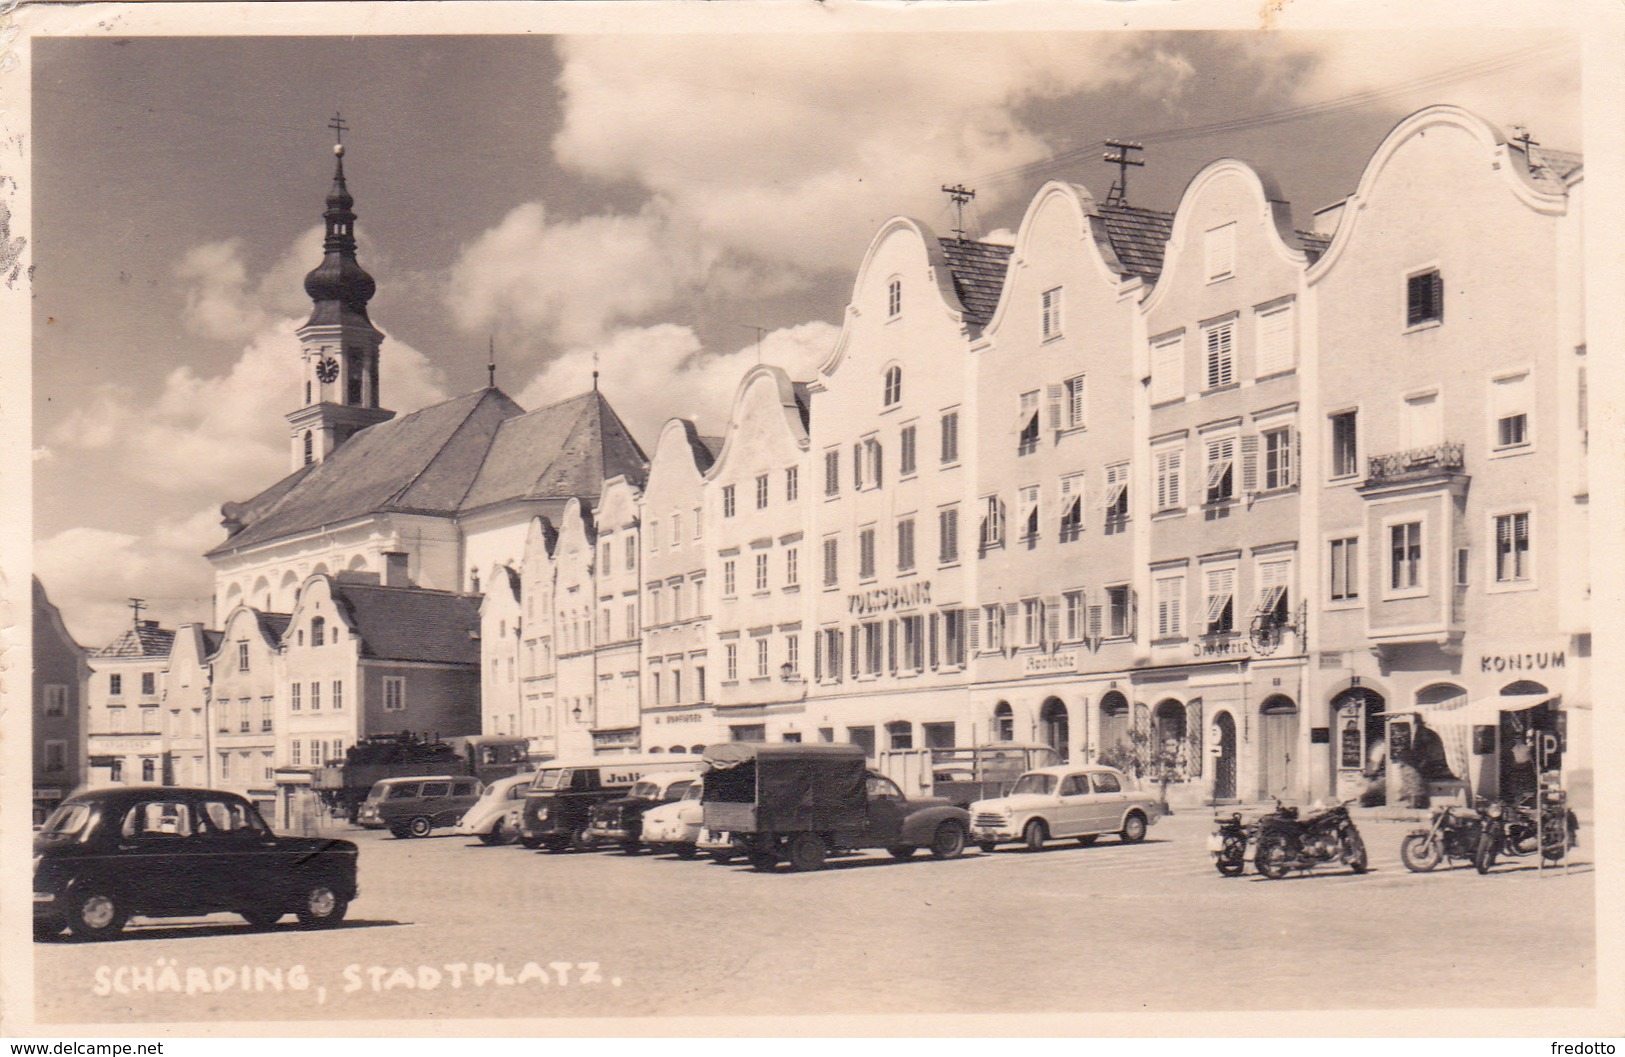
x: 960, y: 195
x: 1528, y: 141
x: 339, y: 128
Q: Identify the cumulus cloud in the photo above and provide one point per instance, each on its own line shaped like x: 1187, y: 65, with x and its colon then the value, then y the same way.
x: 222, y: 300
x: 573, y: 280
x: 89, y: 572
x: 801, y: 148
x: 212, y: 435
x: 652, y: 374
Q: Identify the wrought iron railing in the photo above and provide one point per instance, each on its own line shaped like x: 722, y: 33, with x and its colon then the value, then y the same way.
x: 1447, y: 457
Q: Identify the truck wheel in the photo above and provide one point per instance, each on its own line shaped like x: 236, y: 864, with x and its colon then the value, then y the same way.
x: 902, y: 851
x: 420, y: 826
x: 807, y: 852
x: 766, y: 862
x: 1034, y: 835
x: 948, y: 842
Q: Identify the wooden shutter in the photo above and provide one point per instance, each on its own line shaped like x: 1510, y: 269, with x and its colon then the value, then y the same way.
x: 973, y: 631
x: 857, y: 466
x: 1054, y: 396
x: 891, y: 646
x: 934, y: 621
x: 1096, y: 620
x: 818, y: 656
x: 879, y: 477
x: 1052, y: 621
x: 1012, y: 620
x: 1249, y: 463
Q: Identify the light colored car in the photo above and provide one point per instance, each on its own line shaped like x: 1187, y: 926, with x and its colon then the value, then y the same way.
x: 494, y: 818
x: 1050, y: 803
x: 675, y: 827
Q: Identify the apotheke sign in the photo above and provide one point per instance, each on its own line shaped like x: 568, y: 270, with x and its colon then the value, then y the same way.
x: 880, y: 599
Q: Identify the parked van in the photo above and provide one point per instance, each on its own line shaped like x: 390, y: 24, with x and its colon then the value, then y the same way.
x: 558, y: 805
x: 413, y: 807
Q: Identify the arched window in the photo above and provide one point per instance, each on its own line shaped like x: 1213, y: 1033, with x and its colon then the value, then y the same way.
x: 310, y: 448
x: 675, y: 749
x: 1004, y: 722
x: 697, y: 749
x: 318, y: 629
x: 894, y: 386
x: 894, y: 297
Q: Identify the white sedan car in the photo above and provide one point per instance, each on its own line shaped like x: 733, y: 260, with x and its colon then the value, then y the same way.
x: 676, y: 826
x: 1049, y: 803
x: 494, y: 818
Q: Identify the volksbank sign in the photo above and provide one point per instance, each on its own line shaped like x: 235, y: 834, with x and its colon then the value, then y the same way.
x: 880, y: 599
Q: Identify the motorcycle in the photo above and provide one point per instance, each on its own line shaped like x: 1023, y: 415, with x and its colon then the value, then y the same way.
x: 1228, y: 843
x: 1452, y: 833
x: 1518, y: 829
x: 1286, y: 842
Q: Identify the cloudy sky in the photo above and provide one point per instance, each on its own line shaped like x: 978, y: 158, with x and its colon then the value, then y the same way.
x: 649, y: 199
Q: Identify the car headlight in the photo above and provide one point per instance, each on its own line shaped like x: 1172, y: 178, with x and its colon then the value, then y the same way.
x: 541, y: 814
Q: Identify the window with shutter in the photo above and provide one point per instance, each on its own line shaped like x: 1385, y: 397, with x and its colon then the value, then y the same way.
x: 1029, y: 513
x: 1009, y: 616
x: 1274, y: 590
x: 1220, y: 354
x: 1116, y: 494
x: 1512, y: 548
x: 1054, y: 396
x: 1071, y: 508
x: 1276, y: 340
x: 1221, y: 590
x: 1170, y: 602
x: 1345, y: 443
x: 857, y: 467
x: 905, y: 545
x: 1168, y: 369
x: 1027, y: 423
x: 831, y: 567
x: 1096, y: 621
x: 1221, y: 460
x: 832, y: 472
x: 1051, y: 312
x: 1074, y: 403
x: 1169, y: 464
x: 1219, y: 251
x: 948, y: 535
x: 1424, y: 298
x: 1278, y: 461
x: 973, y: 630
x: 1052, y: 620
x: 950, y: 437
x: 1509, y: 398
x: 907, y: 460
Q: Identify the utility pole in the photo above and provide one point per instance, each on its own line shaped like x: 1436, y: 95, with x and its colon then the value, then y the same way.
x: 961, y: 196
x: 136, y: 606
x: 1118, y: 195
x: 759, y: 332
x: 491, y: 361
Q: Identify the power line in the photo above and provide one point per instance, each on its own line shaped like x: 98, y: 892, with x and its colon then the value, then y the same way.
x: 1335, y: 105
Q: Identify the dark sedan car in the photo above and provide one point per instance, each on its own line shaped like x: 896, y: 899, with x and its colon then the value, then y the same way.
x: 105, y: 855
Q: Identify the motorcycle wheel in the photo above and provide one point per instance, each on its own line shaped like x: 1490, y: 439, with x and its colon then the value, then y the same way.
x: 1228, y: 866
x: 1354, y: 853
x: 1273, y: 860
x: 1486, y: 853
x: 1420, y: 853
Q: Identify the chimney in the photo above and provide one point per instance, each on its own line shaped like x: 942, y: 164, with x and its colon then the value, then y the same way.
x: 395, y: 569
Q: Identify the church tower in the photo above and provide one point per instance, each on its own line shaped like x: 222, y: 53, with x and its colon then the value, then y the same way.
x: 338, y: 344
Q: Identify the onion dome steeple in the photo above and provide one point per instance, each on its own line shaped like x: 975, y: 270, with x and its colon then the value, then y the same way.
x: 339, y: 286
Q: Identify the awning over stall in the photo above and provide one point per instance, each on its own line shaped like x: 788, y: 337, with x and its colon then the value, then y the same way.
x: 1453, y: 720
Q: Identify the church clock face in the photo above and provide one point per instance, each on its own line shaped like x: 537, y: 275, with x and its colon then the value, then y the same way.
x: 328, y: 369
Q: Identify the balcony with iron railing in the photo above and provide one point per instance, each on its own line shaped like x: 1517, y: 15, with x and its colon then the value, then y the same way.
x: 1442, y: 460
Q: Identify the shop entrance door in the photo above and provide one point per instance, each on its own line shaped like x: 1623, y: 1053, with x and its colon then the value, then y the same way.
x: 1224, y: 765
x: 1278, y: 736
x: 1052, y: 721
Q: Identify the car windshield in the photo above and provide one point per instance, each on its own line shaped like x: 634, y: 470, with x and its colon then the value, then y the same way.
x: 646, y: 791
x: 1038, y: 784
x: 378, y: 792
x: 552, y: 778
x: 679, y: 790
x: 695, y: 791
x: 69, y: 820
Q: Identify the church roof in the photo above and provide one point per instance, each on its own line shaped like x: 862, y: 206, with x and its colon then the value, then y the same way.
x: 412, y: 623
x: 454, y: 457
x: 146, y: 639
x: 422, y: 462
x: 566, y: 449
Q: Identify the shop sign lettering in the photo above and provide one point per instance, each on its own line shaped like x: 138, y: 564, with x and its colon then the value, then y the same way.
x: 1225, y: 646
x: 1045, y: 663
x: 1521, y: 662
x: 904, y: 596
x: 680, y: 717
x: 616, y: 737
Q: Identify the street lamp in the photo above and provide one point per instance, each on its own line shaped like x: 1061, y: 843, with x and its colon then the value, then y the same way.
x: 787, y: 671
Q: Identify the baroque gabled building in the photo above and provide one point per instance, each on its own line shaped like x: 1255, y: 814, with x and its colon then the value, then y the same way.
x: 61, y: 677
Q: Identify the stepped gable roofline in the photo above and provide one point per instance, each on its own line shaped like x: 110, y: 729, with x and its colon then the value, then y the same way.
x: 679, y: 449
x: 937, y: 267
x: 271, y: 626
x: 766, y: 374
x: 414, y: 624
x: 1276, y: 211
x: 565, y: 449
x: 146, y: 639
x: 417, y: 463
x: 543, y: 531
x: 1544, y: 191
x: 1127, y: 241
x: 503, y: 579
x: 48, y: 610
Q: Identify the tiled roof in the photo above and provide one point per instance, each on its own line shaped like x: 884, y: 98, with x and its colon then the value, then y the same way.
x: 211, y: 642
x: 413, y: 623
x: 1138, y: 237
x: 145, y: 640
x: 1314, y: 243
x: 566, y: 449
x: 422, y: 462
x: 713, y: 446
x: 1551, y: 168
x: 978, y: 269
x: 272, y: 625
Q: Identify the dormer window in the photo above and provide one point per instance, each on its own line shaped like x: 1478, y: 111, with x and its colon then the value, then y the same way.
x: 894, y: 298
x: 894, y: 386
x: 1052, y: 313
